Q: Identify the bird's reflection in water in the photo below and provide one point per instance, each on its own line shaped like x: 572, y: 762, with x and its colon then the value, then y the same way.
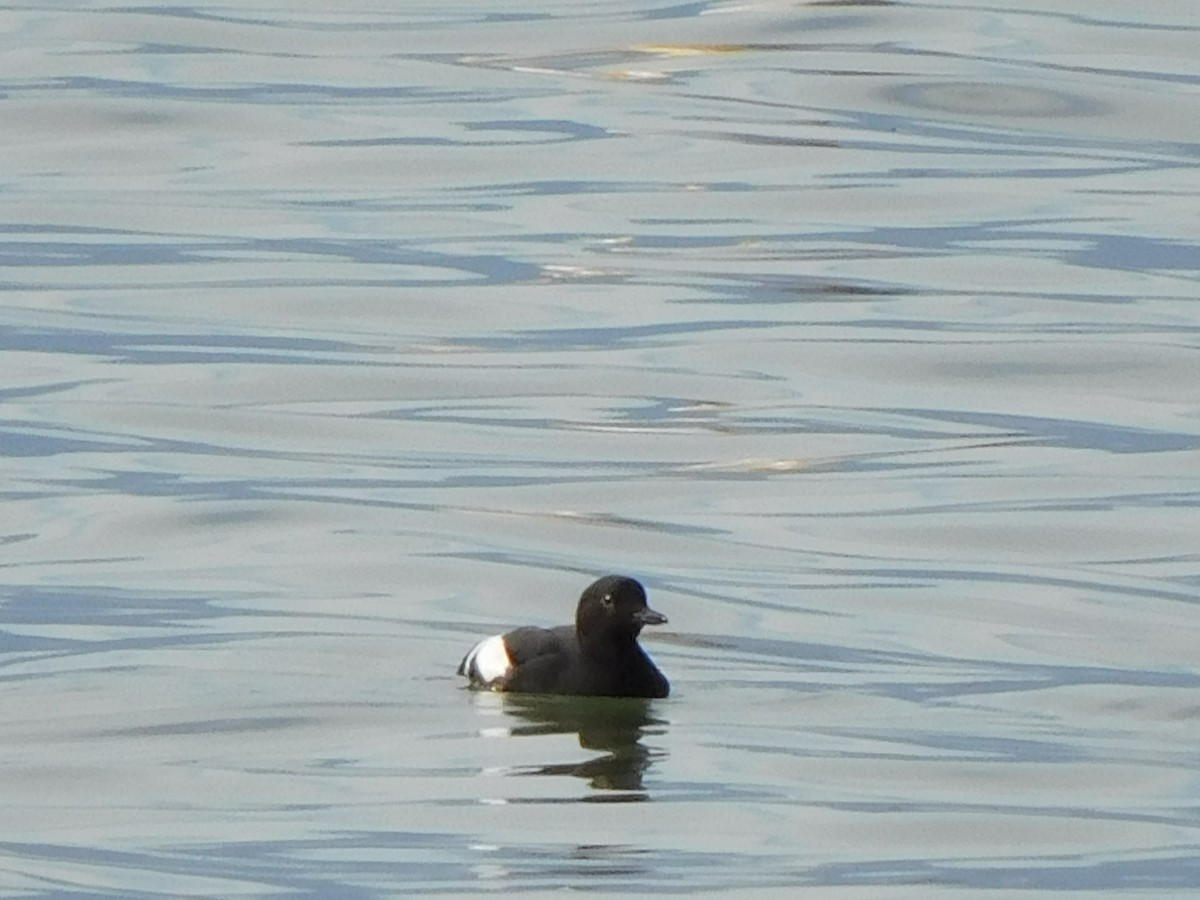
x: 614, y: 726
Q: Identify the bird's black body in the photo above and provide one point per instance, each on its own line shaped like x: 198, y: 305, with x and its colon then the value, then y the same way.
x: 597, y: 656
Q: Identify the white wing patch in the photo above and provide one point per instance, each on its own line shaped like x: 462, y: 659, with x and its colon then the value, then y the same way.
x: 487, y: 662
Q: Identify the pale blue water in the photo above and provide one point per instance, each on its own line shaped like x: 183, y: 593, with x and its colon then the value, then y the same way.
x: 866, y: 335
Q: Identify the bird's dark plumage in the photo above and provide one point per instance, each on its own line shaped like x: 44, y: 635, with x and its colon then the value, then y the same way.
x: 599, y: 655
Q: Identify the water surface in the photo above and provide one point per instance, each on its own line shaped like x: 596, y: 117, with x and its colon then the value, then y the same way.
x: 865, y: 334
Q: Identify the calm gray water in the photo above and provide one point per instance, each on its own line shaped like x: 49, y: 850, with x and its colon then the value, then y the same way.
x: 866, y: 334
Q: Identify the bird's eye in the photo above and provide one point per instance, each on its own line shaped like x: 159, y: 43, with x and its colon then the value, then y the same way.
x: 607, y: 601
